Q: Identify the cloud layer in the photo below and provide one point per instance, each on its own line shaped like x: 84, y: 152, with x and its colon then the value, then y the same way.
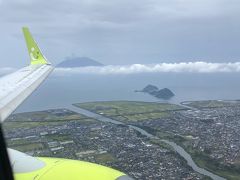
x: 183, y: 67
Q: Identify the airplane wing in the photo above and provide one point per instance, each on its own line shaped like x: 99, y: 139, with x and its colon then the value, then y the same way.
x: 16, y: 87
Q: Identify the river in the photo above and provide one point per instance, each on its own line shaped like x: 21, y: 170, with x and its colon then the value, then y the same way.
x: 176, y: 147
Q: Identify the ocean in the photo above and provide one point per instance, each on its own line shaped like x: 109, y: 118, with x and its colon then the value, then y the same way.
x: 62, y: 90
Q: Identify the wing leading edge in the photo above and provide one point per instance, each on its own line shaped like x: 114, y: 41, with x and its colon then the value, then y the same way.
x: 16, y: 87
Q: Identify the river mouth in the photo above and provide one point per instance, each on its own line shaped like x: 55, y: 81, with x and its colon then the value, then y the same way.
x: 176, y: 147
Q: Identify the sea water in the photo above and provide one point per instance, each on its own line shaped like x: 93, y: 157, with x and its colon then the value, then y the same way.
x: 62, y: 90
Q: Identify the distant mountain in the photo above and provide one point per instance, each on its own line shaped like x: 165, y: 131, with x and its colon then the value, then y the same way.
x: 164, y: 93
x: 72, y: 62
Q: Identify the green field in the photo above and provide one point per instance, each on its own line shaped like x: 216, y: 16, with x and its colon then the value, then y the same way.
x: 28, y: 147
x: 48, y: 118
x: 48, y: 115
x: 105, y: 158
x: 130, y: 111
x: 28, y: 125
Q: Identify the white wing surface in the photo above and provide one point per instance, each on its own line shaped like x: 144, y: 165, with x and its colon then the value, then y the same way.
x: 16, y: 87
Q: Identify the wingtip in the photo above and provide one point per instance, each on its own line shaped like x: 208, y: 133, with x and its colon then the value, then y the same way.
x: 24, y: 28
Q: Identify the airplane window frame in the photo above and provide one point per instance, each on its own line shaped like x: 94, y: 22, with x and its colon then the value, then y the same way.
x: 6, y: 172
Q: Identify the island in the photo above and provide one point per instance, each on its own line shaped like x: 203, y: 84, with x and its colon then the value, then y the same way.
x: 164, y: 93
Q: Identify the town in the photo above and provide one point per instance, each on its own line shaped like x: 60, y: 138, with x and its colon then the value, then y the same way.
x: 208, y: 130
x: 77, y: 137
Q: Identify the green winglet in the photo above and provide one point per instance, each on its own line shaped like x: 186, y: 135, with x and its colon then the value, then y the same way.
x: 35, y: 53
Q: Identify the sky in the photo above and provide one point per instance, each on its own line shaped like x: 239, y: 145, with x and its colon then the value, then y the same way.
x: 122, y: 32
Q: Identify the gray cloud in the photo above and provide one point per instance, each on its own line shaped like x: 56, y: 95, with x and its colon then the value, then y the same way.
x: 123, y: 31
x: 183, y: 67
